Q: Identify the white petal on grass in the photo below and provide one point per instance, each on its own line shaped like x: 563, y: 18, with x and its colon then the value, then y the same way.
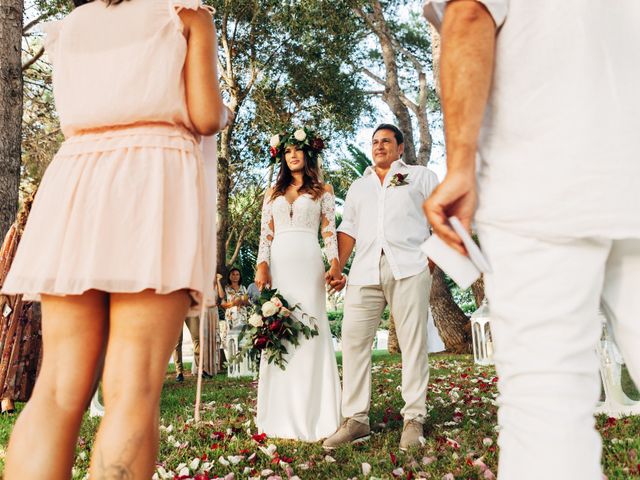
x: 269, y: 451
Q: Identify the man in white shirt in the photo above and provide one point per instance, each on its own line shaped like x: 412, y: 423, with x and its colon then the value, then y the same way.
x: 546, y: 93
x: 383, y: 219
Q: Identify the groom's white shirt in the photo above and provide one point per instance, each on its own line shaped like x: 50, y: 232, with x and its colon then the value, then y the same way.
x: 383, y: 217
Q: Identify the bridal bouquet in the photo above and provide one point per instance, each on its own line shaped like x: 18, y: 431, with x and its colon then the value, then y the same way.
x: 272, y: 327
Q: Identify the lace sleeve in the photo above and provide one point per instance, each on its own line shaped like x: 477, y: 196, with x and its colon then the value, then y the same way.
x: 266, y: 231
x: 328, y: 229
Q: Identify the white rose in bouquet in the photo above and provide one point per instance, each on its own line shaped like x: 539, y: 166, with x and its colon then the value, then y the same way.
x: 276, y: 301
x: 300, y: 135
x: 275, y: 141
x: 269, y: 309
x: 256, y: 320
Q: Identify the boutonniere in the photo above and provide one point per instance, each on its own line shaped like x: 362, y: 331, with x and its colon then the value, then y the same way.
x: 399, y: 179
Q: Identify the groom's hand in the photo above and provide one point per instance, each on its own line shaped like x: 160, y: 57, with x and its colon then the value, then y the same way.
x: 338, y: 284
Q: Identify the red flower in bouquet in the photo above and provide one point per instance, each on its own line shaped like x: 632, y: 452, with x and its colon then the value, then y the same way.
x: 275, y: 326
x: 274, y: 152
x: 260, y: 342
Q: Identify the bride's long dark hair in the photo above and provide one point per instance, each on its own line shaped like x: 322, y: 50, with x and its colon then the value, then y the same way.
x: 311, y: 177
x: 79, y: 3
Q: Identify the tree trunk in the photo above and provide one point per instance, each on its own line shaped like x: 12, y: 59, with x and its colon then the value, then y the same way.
x: 392, y: 91
x: 435, y: 56
x: 224, y: 186
x: 478, y: 290
x: 452, y: 324
x: 393, y: 346
x: 11, y: 116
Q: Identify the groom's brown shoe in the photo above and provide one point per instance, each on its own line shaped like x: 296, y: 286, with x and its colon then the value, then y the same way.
x: 351, y: 431
x: 411, y: 434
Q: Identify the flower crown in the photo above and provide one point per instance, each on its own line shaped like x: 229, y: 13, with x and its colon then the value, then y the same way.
x: 303, y: 138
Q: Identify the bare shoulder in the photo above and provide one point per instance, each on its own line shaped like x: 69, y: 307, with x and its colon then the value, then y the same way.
x: 196, y: 20
x: 328, y: 188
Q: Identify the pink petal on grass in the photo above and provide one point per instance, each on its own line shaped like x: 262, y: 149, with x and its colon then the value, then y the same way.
x: 366, y: 469
x: 488, y: 474
x: 487, y: 442
x: 480, y: 464
x: 448, y: 476
x: 453, y: 443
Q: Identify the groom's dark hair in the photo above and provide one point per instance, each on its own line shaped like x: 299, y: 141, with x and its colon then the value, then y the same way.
x: 396, y: 131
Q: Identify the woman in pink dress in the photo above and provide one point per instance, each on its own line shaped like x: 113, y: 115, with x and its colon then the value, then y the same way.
x: 118, y: 242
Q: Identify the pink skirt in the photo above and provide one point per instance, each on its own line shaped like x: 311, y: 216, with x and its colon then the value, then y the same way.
x: 120, y: 210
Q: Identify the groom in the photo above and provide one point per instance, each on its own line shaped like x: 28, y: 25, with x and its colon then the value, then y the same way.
x: 383, y: 219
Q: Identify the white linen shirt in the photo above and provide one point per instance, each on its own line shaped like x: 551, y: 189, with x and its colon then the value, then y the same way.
x: 559, y: 147
x: 382, y: 217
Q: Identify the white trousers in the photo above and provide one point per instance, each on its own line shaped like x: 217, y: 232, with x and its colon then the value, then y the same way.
x: 544, y: 296
x: 408, y: 301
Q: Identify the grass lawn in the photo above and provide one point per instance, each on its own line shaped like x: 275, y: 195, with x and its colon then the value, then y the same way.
x: 460, y: 440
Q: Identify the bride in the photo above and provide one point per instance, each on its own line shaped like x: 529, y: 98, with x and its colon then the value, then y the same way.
x: 303, y: 401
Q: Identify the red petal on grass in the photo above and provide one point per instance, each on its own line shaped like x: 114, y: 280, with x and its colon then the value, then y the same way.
x: 394, y: 460
x: 260, y: 438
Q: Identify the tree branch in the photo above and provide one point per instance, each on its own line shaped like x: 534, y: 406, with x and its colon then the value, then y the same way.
x: 374, y: 77
x: 33, y: 23
x: 32, y: 60
x: 236, y: 251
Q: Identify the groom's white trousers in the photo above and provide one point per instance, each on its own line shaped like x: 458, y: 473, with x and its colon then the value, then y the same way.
x: 408, y: 300
x: 544, y: 296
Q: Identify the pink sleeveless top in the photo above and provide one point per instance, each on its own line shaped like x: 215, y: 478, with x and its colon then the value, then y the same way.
x: 119, y: 65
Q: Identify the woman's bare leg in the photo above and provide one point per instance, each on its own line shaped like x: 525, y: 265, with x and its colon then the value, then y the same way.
x: 143, y: 329
x: 43, y: 440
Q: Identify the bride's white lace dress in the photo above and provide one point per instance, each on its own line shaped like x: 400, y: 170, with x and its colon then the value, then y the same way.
x: 303, y: 401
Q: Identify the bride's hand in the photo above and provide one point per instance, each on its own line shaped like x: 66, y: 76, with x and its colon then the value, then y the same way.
x: 263, y: 277
x: 332, y: 274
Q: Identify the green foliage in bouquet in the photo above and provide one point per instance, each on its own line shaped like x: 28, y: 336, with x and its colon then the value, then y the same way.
x: 272, y: 327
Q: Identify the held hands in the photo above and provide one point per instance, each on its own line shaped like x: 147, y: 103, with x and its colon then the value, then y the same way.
x: 455, y: 196
x: 263, y: 276
x: 334, y: 279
